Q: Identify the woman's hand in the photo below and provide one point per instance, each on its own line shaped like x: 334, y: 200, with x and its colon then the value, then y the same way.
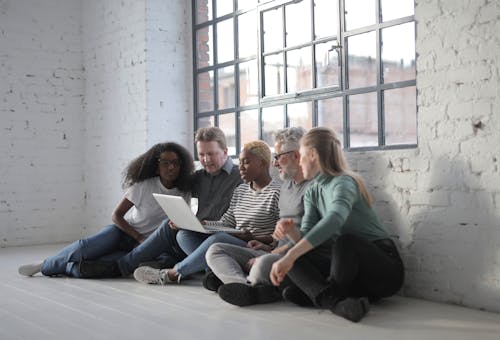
x: 172, y: 225
x: 279, y: 269
x: 246, y: 235
x: 283, y: 227
x: 257, y: 245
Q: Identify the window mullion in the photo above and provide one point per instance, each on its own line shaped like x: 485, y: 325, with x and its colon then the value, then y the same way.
x: 343, y: 71
x: 380, y: 107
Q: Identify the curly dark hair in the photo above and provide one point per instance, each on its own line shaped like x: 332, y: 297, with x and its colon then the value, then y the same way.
x: 146, y: 165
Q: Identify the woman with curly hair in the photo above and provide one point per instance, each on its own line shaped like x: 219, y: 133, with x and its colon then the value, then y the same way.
x: 166, y: 168
x: 253, y: 209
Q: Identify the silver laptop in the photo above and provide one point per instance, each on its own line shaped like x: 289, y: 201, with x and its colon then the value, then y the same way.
x: 179, y: 212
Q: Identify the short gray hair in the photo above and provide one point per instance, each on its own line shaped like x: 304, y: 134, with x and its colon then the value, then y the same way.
x: 289, y: 138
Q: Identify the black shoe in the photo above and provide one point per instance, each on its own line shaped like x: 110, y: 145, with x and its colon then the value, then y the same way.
x: 294, y: 295
x: 211, y: 281
x: 352, y: 309
x: 240, y: 294
x: 99, y: 269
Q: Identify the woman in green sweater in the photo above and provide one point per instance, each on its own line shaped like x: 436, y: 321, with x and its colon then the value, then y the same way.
x: 342, y: 255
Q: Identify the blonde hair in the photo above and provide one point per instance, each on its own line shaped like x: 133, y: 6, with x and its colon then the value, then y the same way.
x: 331, y: 157
x: 259, y: 149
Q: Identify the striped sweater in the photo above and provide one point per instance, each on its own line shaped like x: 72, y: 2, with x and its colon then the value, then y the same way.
x: 257, y: 211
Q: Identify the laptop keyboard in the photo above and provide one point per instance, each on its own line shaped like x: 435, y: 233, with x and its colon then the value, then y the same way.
x: 218, y: 226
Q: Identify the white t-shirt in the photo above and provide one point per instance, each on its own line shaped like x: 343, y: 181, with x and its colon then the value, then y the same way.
x: 146, y: 214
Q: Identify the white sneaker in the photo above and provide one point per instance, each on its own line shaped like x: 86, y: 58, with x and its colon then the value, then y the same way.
x: 30, y: 269
x: 151, y: 275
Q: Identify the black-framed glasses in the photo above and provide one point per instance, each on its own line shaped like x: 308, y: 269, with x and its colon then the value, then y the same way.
x: 165, y: 162
x: 278, y: 155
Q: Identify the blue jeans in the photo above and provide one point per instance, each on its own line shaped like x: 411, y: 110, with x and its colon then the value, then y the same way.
x: 160, y: 245
x: 109, y: 244
x: 196, y: 245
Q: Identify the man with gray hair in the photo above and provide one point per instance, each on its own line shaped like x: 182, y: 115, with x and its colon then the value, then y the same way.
x: 241, y: 274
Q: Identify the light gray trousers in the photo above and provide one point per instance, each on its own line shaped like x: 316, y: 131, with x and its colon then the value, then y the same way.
x: 229, y: 263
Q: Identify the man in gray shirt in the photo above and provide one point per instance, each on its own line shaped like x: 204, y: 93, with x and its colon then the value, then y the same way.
x: 213, y: 186
x: 241, y: 274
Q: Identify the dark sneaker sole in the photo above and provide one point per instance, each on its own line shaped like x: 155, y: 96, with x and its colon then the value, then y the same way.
x: 352, y: 309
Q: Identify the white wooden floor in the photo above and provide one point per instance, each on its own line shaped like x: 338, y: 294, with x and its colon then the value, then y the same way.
x: 63, y: 308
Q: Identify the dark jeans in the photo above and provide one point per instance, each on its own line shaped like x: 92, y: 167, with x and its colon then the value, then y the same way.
x: 160, y: 245
x: 352, y: 266
x: 108, y: 244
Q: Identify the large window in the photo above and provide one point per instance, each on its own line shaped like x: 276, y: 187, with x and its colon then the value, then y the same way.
x: 260, y: 66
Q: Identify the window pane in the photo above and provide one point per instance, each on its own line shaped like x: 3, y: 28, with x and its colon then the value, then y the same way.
x: 362, y: 60
x: 299, y: 69
x: 398, y: 52
x: 249, y: 83
x: 359, y: 13
x: 224, y: 7
x: 294, y: 14
x: 249, y: 126
x: 227, y: 123
x: 247, y: 34
x: 203, y: 11
x: 331, y: 114
x: 363, y: 121
x: 400, y: 108
x: 242, y: 4
x: 272, y: 121
x: 325, y: 18
x: 204, y: 47
x: 393, y: 9
x: 300, y: 114
x: 206, y: 121
x: 225, y: 41
x: 327, y: 65
x: 273, y: 74
x: 206, y: 91
x: 226, y: 88
x: 273, y: 30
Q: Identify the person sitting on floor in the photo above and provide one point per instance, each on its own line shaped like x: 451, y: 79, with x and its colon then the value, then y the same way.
x: 166, y: 168
x: 342, y: 255
x: 239, y: 274
x: 213, y: 186
x: 253, y: 208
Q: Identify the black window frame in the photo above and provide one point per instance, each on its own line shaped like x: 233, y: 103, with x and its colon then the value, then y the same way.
x: 311, y: 95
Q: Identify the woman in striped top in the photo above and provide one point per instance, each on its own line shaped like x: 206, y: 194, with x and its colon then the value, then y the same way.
x: 253, y: 208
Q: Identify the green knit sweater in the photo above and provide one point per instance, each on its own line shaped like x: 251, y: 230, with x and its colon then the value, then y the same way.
x: 334, y: 206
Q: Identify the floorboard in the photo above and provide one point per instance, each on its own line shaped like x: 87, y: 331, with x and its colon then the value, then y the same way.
x: 64, y: 308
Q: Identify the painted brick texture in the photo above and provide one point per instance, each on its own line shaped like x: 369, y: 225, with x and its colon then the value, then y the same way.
x: 441, y: 199
x: 41, y: 93
x: 88, y: 85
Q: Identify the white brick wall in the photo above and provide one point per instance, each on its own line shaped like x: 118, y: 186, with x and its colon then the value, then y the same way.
x: 114, y: 54
x: 138, y: 92
x: 41, y: 92
x: 169, y: 72
x: 441, y: 200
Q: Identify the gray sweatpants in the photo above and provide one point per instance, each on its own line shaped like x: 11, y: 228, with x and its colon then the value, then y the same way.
x: 229, y: 263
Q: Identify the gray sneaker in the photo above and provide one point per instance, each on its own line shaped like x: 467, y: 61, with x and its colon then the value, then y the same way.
x: 30, y: 269
x: 154, y: 276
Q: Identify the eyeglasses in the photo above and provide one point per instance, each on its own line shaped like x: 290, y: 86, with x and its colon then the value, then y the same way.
x: 166, y: 163
x: 278, y: 155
